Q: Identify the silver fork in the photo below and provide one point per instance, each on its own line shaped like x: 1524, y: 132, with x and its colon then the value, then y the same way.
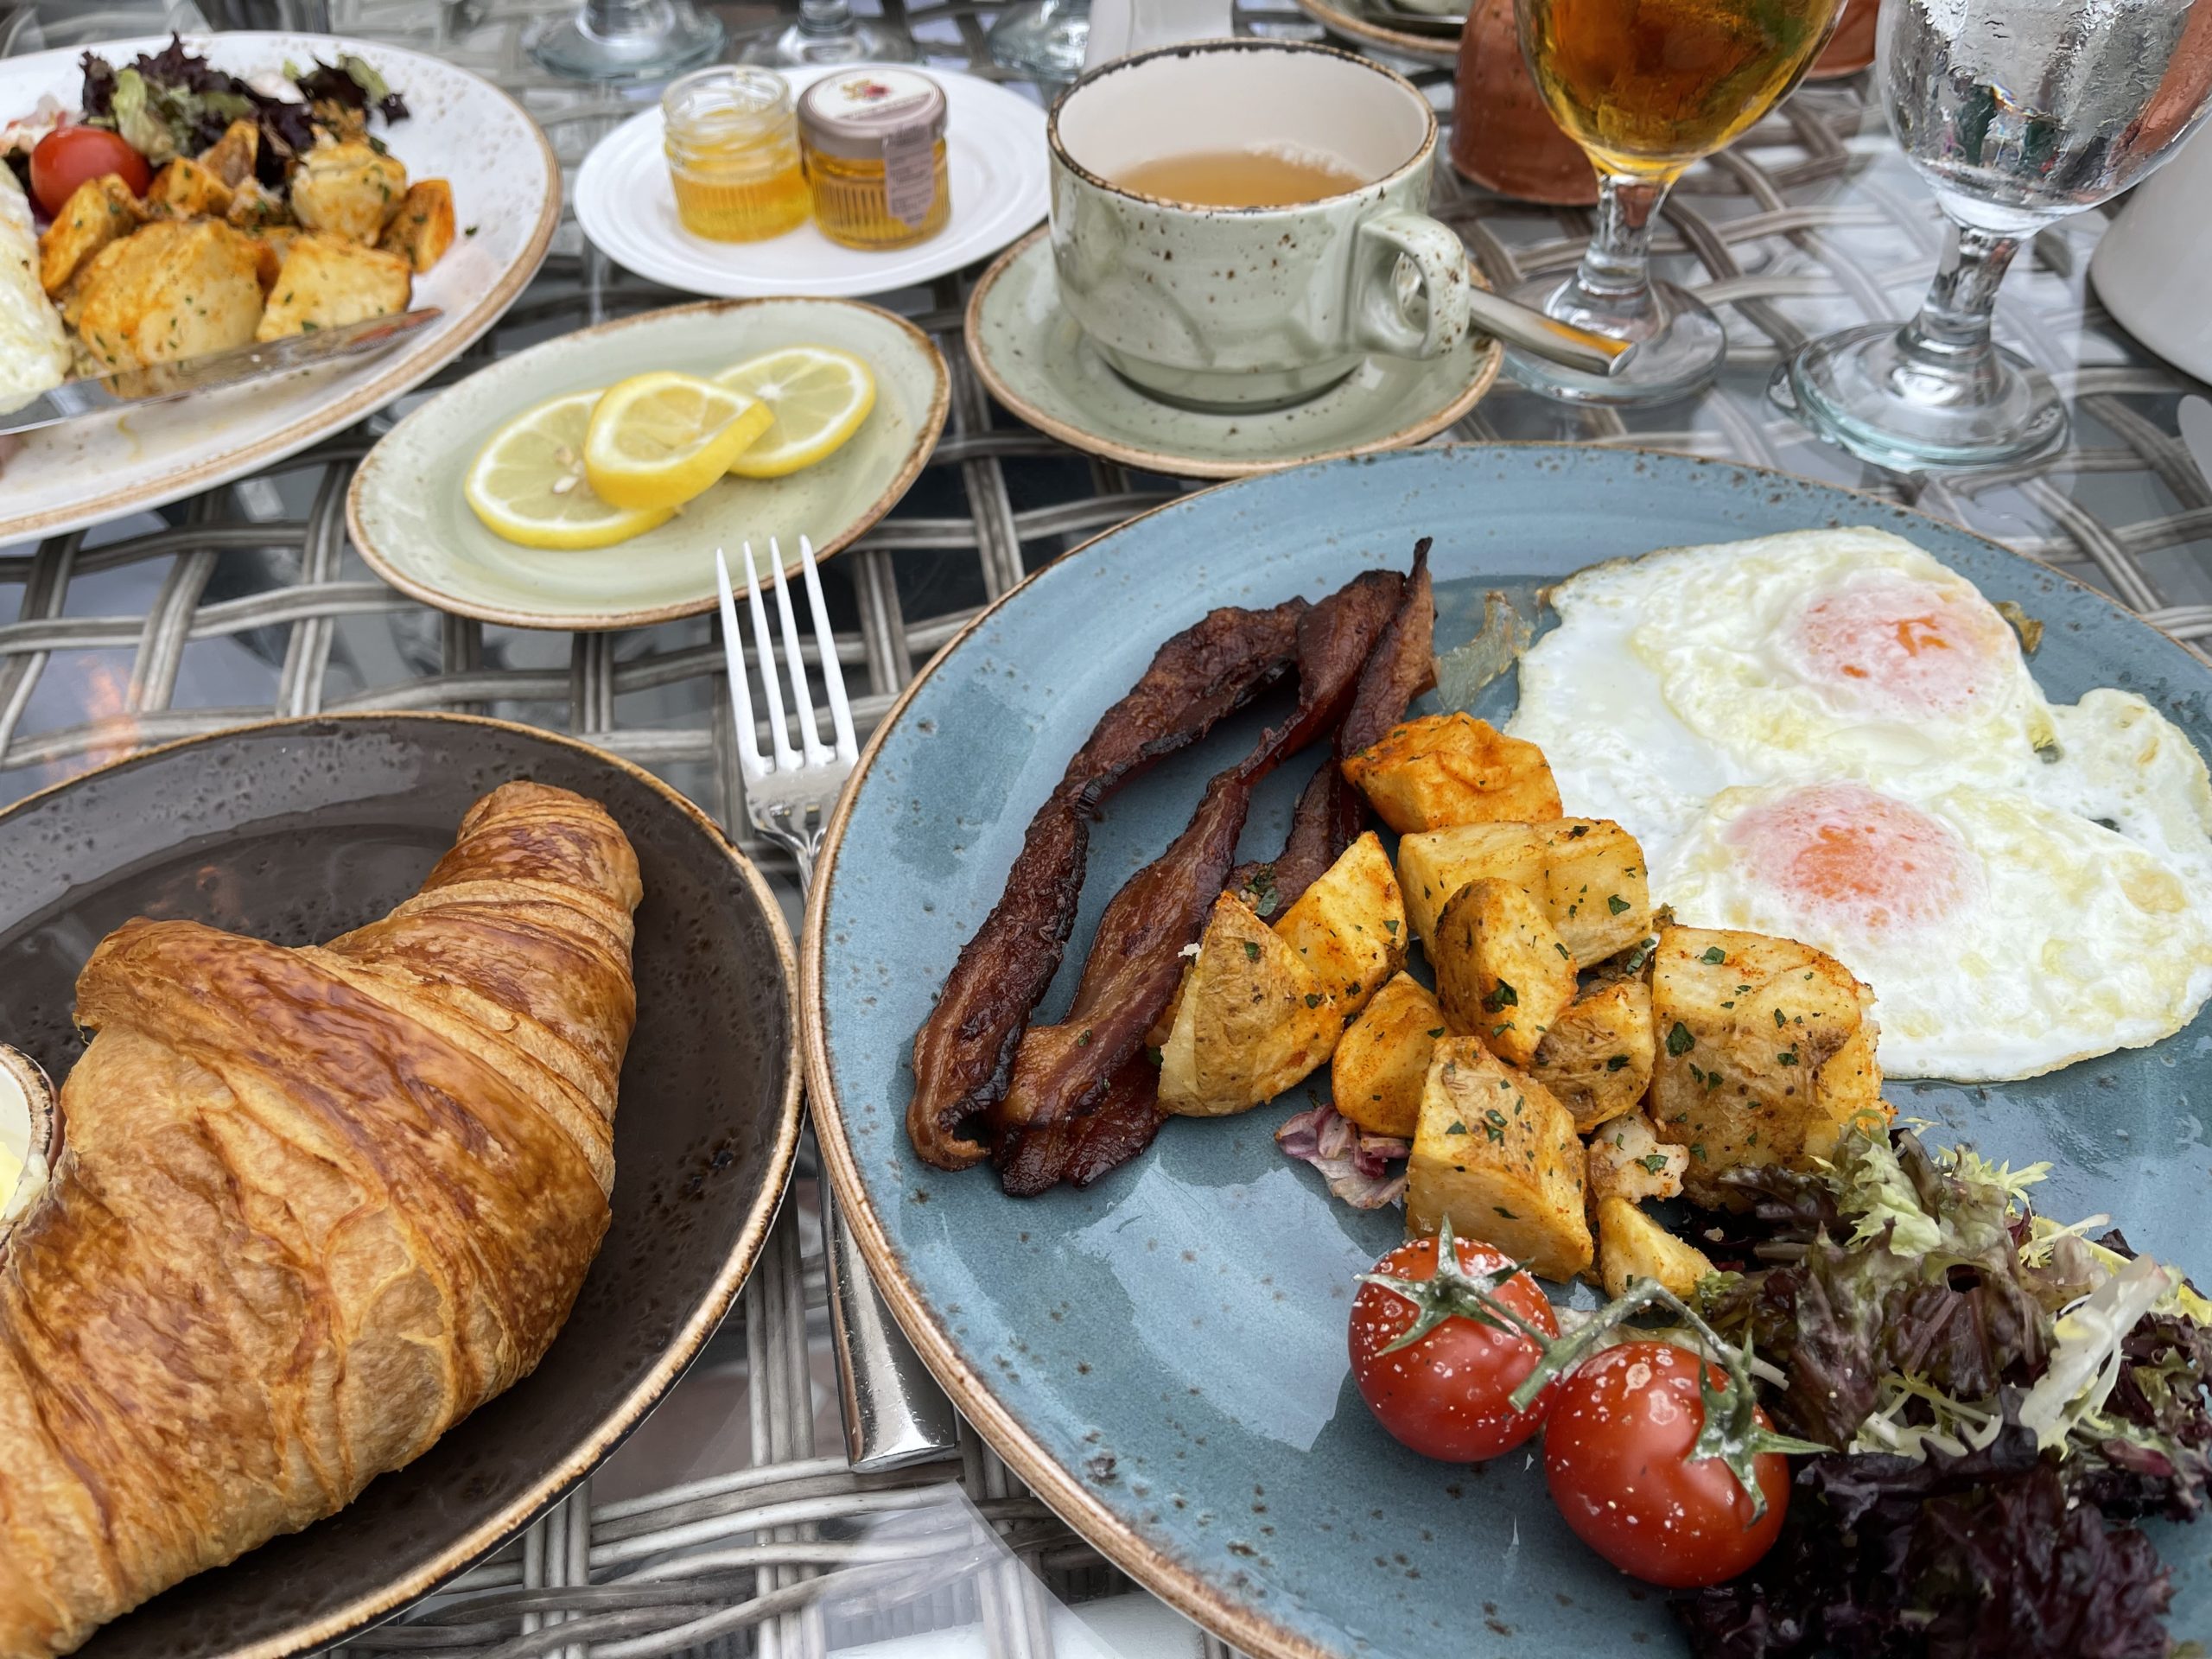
x: 894, y: 1411
x: 788, y: 794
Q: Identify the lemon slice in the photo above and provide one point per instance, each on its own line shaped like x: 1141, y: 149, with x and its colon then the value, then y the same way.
x: 658, y: 440
x: 820, y: 396
x: 527, y: 483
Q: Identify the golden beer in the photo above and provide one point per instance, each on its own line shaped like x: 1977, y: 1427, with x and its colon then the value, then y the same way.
x: 1646, y: 87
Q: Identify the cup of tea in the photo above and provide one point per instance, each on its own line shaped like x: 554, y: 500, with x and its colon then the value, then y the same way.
x: 1237, y: 223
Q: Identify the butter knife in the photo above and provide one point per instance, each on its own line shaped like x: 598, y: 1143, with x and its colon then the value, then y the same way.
x: 161, y: 383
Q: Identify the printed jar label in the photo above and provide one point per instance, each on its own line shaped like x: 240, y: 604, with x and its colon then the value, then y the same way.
x: 910, y: 175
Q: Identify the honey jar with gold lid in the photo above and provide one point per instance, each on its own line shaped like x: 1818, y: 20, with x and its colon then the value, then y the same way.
x: 874, y: 141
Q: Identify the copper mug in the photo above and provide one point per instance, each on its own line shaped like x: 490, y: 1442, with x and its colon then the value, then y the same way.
x: 1503, y: 137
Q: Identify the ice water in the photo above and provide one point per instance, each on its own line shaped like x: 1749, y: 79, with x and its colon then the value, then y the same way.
x: 2021, y: 111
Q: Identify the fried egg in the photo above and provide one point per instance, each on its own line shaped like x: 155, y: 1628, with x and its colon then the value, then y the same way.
x: 34, y: 353
x: 1830, y: 736
x: 2003, y: 938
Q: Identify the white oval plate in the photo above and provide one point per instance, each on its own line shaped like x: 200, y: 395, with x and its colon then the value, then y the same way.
x: 506, y: 187
x: 409, y: 518
x: 994, y: 143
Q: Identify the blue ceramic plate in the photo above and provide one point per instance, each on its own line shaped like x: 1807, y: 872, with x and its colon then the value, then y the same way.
x: 1162, y: 1357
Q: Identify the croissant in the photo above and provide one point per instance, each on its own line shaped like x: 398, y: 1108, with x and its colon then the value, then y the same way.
x: 314, y: 1207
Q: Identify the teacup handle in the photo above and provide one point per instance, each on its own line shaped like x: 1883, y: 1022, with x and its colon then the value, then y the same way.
x: 1438, y: 256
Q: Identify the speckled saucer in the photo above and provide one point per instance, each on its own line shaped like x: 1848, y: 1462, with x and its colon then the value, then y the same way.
x: 1037, y: 362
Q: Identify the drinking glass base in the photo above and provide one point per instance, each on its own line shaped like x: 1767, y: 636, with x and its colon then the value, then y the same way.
x: 1042, y: 39
x: 1679, y: 346
x: 674, y: 37
x: 864, y: 42
x: 1861, y: 391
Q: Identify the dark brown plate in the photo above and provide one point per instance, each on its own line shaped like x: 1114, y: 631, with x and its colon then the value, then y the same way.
x: 296, y: 830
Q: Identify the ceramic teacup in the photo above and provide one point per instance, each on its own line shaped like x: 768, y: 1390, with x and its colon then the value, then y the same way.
x: 1251, y: 308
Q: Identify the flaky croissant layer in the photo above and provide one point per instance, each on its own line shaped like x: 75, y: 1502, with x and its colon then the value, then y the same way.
x: 314, y: 1207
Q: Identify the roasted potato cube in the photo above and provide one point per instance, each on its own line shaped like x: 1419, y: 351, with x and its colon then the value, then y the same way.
x: 422, y: 230
x: 1627, y: 1159
x: 185, y: 189
x: 1251, y: 1022
x: 174, y: 289
x: 1495, y: 1153
x: 1350, y: 927
x: 1595, y: 887
x: 98, y: 212
x: 1502, y: 972
x: 231, y: 157
x: 1765, y: 1049
x: 1436, y: 864
x: 327, y: 281
x: 1597, y: 1057
x: 1631, y: 1245
x: 347, y: 190
x: 256, y: 208
x: 1382, y: 1060
x: 1446, y: 769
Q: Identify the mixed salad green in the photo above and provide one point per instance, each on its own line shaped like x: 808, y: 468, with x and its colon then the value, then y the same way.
x: 2007, y: 1396
x: 1908, y: 1418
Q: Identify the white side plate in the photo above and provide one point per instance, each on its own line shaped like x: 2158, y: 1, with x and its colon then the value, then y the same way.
x: 994, y: 144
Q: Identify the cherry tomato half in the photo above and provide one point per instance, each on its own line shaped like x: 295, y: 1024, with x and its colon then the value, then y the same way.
x: 1614, y: 1453
x: 65, y: 157
x: 1447, y: 1395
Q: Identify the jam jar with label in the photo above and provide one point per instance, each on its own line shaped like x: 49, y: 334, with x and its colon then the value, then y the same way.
x: 874, y: 141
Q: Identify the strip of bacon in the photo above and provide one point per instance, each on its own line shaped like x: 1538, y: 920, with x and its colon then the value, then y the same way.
x: 1062, y: 1071
x: 1330, y: 816
x: 965, y: 1051
x: 1081, y: 1149
x: 1331, y: 813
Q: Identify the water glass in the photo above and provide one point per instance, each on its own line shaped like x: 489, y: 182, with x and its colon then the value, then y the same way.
x: 2019, y: 112
x: 626, y: 40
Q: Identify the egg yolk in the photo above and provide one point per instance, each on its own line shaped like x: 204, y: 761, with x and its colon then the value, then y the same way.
x: 1864, y: 859
x: 1906, y: 648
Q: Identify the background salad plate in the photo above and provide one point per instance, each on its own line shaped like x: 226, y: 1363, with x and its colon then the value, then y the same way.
x: 506, y: 190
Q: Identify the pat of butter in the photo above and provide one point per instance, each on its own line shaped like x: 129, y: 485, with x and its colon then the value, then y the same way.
x: 23, y: 1166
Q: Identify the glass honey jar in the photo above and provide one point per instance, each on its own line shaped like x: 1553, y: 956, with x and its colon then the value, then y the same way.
x: 875, y: 146
x: 732, y: 144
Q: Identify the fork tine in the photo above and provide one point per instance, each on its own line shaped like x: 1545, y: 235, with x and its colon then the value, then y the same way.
x: 765, y: 648
x: 833, y: 672
x: 809, y: 732
x: 740, y: 696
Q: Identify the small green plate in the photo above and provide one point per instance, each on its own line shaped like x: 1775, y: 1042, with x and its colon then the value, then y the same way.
x: 407, y: 514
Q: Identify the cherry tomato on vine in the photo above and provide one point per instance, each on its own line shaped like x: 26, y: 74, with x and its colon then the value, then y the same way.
x: 65, y: 157
x: 1446, y: 1394
x: 1615, y: 1458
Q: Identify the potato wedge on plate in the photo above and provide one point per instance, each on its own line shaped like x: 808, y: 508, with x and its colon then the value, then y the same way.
x: 1448, y: 769
x: 1350, y: 925
x: 1251, y: 1019
x: 1381, y: 1065
x: 1499, y: 1156
x: 1766, y: 1050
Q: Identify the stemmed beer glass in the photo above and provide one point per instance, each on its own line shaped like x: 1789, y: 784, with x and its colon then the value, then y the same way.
x: 2019, y: 112
x: 1647, y: 87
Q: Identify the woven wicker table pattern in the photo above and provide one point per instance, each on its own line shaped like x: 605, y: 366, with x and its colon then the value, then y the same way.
x: 249, y: 601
